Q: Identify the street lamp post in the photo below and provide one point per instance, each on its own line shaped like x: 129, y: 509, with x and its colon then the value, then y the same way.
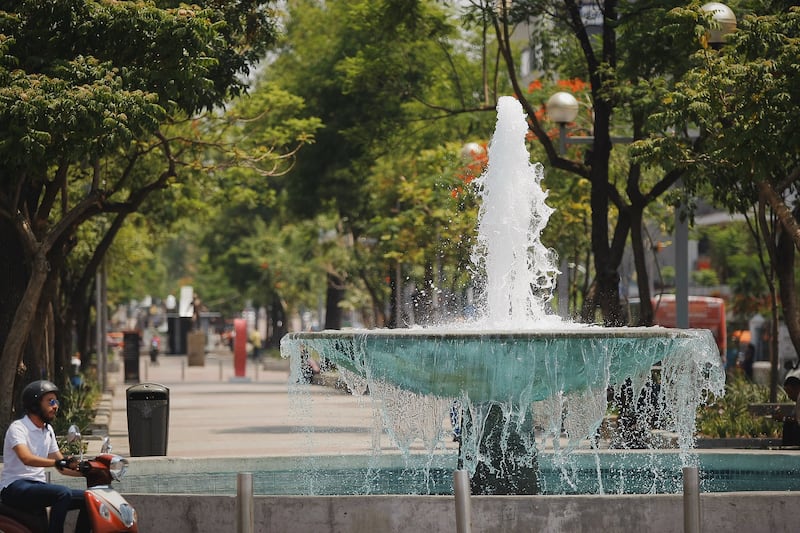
x: 562, y: 108
x: 726, y: 22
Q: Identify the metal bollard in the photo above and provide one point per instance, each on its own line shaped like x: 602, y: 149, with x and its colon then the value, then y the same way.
x: 183, y: 370
x: 463, y: 504
x: 245, y: 516
x: 220, y: 369
x: 691, y: 500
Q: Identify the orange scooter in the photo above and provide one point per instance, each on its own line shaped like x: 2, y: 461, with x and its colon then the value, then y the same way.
x: 107, y: 510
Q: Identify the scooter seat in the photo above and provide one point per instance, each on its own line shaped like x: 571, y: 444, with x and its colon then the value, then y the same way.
x: 36, y: 522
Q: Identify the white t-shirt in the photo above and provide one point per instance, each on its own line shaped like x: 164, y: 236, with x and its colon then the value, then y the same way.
x: 41, y: 442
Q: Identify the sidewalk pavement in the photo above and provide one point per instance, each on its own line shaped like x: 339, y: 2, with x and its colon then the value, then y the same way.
x: 212, y: 413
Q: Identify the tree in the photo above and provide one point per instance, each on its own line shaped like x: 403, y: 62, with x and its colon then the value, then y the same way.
x: 745, y: 94
x: 629, y: 61
x: 374, y: 72
x: 422, y: 233
x: 87, y: 93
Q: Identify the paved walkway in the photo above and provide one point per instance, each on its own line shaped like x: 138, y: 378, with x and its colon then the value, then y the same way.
x: 214, y: 414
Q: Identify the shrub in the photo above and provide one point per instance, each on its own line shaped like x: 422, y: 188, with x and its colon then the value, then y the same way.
x: 729, y: 416
x: 77, y: 407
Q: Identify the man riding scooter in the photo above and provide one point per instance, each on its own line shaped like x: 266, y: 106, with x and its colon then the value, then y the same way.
x: 30, y: 447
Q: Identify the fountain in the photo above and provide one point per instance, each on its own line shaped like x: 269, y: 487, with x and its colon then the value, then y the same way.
x: 524, y: 379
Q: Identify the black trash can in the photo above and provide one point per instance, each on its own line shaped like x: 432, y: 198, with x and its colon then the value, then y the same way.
x: 148, y: 419
x: 130, y: 355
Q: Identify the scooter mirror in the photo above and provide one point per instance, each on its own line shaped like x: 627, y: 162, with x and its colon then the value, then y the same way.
x: 73, y: 434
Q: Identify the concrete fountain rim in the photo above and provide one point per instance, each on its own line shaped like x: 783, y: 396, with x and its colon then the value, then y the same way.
x: 465, y: 332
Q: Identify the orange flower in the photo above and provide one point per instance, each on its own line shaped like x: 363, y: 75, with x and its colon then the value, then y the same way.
x: 574, y: 85
x: 534, y: 86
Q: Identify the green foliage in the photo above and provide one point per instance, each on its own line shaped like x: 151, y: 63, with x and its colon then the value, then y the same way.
x: 97, y: 115
x: 668, y: 276
x: 705, y: 278
x: 366, y: 68
x: 736, y: 261
x: 78, y: 406
x: 134, y: 266
x: 729, y: 417
x: 379, y: 179
x: 742, y: 95
x: 742, y: 100
x: 86, y: 78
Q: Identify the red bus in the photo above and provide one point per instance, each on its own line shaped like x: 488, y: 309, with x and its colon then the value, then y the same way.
x: 705, y: 312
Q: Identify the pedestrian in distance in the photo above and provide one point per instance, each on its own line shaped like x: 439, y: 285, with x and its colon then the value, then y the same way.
x: 30, y: 447
x: 255, y: 341
x: 155, y: 347
x: 791, y: 428
x: 748, y: 359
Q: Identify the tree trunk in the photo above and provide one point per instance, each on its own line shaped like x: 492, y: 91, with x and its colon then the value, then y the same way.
x: 770, y: 243
x: 18, y: 333
x: 784, y: 269
x: 646, y: 315
x: 784, y: 214
x: 277, y: 316
x: 335, y: 294
x: 13, y: 280
x: 607, y: 277
x: 378, y: 315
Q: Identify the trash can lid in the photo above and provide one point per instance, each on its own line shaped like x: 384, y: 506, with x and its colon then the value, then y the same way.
x: 147, y: 391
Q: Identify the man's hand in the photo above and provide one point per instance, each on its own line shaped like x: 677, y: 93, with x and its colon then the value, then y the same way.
x: 69, y: 462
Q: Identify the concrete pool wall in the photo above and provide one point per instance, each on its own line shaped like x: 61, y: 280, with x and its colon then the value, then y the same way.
x: 628, y: 472
x: 774, y: 512
x: 723, y: 512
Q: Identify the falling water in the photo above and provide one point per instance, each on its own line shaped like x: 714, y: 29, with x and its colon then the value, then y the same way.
x: 520, y: 271
x: 518, y: 370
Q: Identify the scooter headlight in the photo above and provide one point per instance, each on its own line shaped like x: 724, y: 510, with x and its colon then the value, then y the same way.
x: 127, y: 514
x: 118, y: 467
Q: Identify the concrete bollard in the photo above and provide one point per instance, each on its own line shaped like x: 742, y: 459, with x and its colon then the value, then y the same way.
x: 245, y: 517
x: 691, y: 500
x: 463, y: 504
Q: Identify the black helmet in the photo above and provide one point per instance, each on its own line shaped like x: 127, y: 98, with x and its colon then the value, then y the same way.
x: 33, y: 392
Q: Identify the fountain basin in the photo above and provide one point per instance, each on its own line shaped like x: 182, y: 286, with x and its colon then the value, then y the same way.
x: 502, y: 366
x: 497, y: 376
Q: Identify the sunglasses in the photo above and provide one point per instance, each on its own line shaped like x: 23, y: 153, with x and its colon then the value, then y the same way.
x: 53, y: 402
